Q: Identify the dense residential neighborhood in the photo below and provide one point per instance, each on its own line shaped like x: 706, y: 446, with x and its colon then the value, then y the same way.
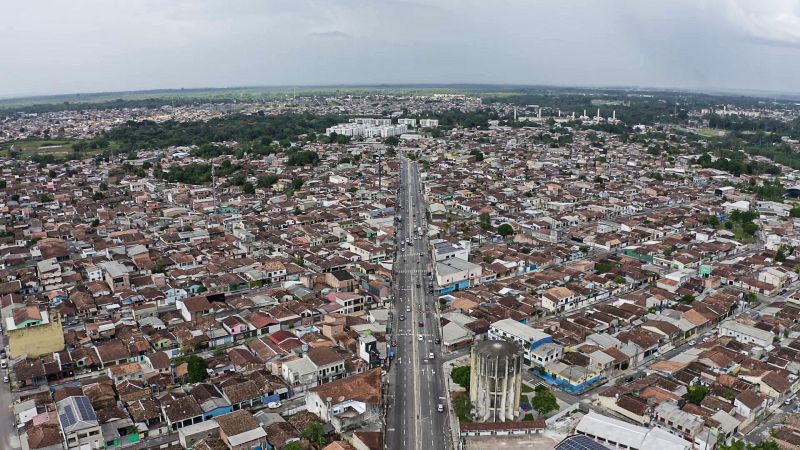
x: 223, y: 294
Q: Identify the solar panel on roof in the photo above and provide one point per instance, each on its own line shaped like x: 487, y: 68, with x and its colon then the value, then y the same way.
x: 85, y: 409
x: 68, y: 418
x: 579, y: 442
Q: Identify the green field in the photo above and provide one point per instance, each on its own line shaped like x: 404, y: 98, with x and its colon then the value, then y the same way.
x: 55, y: 147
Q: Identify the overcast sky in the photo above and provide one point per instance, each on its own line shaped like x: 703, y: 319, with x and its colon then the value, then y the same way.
x: 54, y: 46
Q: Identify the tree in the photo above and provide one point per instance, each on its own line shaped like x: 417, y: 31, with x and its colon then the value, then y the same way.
x: 749, y: 228
x: 604, y: 267
x: 315, y: 433
x: 248, y: 188
x: 196, y: 368
x: 392, y: 140
x: 303, y: 158
x: 713, y: 221
x: 696, y: 394
x: 687, y: 298
x: 267, y: 181
x: 294, y: 445
x: 751, y: 297
x: 780, y: 256
x: 477, y: 154
x: 461, y: 375
x: 44, y: 198
x: 544, y: 402
x: 297, y: 183
x: 505, y: 230
x: 3, y: 184
x: 795, y: 211
x: 486, y: 221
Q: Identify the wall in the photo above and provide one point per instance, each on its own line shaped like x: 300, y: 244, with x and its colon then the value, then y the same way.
x: 38, y: 340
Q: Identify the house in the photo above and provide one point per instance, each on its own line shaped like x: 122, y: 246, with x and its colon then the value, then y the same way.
x: 239, y: 430
x: 79, y: 425
x: 241, y: 394
x: 193, y: 307
x: 124, y: 372
x: 559, y: 299
x: 348, y: 403
x: 749, y: 405
x: 117, y: 276
x: 181, y: 411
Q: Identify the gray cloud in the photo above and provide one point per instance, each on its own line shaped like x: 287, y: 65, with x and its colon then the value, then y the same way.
x: 335, y: 34
x: 51, y: 46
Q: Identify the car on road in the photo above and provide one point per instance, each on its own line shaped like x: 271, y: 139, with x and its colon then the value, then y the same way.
x: 419, y: 338
x: 5, y: 378
x: 440, y: 407
x: 408, y: 308
x: 431, y: 355
x: 274, y: 405
x: 418, y: 285
x: 437, y: 341
x: 3, y: 364
x: 692, y: 342
x: 421, y: 324
x: 402, y: 317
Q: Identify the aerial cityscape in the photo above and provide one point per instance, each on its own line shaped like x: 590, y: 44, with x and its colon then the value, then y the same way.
x: 356, y: 261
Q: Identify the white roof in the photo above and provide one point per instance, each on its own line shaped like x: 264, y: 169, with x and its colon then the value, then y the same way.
x: 247, y: 436
x: 663, y: 440
x: 616, y: 430
x: 754, y: 332
x: 520, y: 330
x: 632, y: 436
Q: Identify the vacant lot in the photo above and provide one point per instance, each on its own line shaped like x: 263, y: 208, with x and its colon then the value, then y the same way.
x: 38, y: 147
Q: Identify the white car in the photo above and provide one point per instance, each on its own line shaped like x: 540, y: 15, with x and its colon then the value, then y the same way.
x: 5, y: 379
x: 431, y: 355
x: 440, y: 407
x: 419, y: 338
x: 274, y: 405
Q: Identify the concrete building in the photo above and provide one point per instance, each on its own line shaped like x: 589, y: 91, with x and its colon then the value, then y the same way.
x: 537, y: 346
x: 457, y: 274
x: 79, y: 425
x: 428, y: 123
x: 746, y: 334
x: 496, y: 380
x: 615, y: 433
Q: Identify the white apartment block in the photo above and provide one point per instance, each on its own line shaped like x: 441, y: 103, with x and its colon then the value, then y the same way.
x: 428, y: 123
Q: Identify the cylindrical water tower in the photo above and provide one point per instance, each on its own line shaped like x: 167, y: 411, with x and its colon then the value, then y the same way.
x: 495, y: 380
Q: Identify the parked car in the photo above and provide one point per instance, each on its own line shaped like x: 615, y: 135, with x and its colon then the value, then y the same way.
x: 274, y: 405
x: 440, y: 407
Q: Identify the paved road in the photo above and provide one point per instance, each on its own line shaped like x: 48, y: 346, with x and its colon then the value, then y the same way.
x: 416, y: 384
x: 8, y: 433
